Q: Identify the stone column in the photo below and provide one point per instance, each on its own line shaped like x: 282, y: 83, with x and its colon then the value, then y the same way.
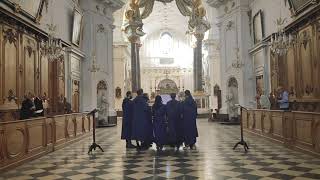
x: 197, y: 65
x: 135, y: 67
x: 138, y: 66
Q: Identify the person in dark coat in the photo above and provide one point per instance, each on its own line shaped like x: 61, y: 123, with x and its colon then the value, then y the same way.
x: 127, y: 109
x: 140, y: 120
x: 38, y: 103
x: 26, y: 110
x: 189, y: 113
x: 149, y: 127
x: 159, y: 122
x: 173, y: 112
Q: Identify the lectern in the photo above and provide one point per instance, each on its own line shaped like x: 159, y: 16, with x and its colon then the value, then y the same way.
x: 94, y: 144
x: 241, y: 142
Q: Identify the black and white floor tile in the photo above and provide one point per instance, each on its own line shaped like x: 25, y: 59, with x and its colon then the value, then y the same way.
x: 213, y: 159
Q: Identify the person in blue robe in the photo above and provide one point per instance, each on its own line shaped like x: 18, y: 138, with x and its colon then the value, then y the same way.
x: 149, y: 126
x: 140, y: 120
x: 127, y: 109
x: 173, y: 112
x: 189, y: 113
x: 159, y: 122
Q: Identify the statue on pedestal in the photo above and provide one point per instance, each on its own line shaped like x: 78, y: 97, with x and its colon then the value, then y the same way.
x: 232, y: 108
x: 103, y: 108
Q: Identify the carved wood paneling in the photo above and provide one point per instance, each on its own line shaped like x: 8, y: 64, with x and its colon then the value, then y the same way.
x: 79, y: 123
x: 10, y: 59
x: 71, y: 126
x: 277, y: 121
x: 291, y: 70
x: 23, y: 140
x: 303, y: 133
x: 15, y: 140
x: 299, y: 70
x: 316, y: 132
x: 299, y: 130
x: 305, y: 56
x: 36, y: 134
x: 1, y: 65
x: 244, y: 118
x: 44, y: 76
x: 49, y: 131
x: 251, y: 120
x: 60, y: 132
x: 258, y: 117
x: 86, y: 124
x: 267, y: 123
x: 30, y: 64
x: 24, y: 66
x: 2, y: 151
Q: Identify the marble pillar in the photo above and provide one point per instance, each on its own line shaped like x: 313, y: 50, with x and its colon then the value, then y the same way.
x: 197, y: 65
x: 135, y: 67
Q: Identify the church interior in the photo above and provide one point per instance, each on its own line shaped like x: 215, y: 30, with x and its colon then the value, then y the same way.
x: 252, y: 67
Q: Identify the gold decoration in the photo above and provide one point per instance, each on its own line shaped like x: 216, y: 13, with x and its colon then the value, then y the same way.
x: 16, y: 7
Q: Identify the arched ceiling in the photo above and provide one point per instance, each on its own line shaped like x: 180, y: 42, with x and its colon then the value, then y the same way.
x: 165, y: 17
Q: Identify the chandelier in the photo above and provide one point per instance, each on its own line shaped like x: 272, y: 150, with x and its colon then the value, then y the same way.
x: 280, y: 41
x: 53, y: 47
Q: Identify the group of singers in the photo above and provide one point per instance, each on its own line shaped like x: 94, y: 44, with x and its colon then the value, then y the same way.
x: 172, y: 124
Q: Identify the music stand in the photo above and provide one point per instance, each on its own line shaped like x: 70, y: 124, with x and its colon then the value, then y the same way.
x: 241, y: 142
x: 94, y: 144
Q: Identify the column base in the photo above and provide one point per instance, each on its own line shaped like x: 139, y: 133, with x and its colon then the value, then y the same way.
x: 110, y: 122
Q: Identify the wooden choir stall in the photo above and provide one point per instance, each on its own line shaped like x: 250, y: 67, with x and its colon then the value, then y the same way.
x: 25, y: 70
x: 298, y: 72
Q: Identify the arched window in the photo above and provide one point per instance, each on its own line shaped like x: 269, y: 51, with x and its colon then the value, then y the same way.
x: 166, y: 43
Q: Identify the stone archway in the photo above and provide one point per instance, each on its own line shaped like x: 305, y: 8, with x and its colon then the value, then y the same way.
x: 232, y: 99
x: 137, y: 10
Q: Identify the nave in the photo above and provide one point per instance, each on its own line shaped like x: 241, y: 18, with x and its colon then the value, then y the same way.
x: 213, y: 159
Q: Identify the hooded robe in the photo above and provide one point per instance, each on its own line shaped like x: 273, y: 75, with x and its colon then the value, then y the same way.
x: 127, y: 109
x: 189, y: 112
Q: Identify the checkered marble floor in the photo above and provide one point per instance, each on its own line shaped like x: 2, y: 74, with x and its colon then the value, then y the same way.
x: 213, y: 159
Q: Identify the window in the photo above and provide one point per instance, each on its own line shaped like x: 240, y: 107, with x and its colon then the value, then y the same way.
x: 166, y: 43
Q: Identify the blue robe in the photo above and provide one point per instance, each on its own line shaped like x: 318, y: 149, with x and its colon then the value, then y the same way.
x: 173, y: 111
x: 141, y: 121
x: 127, y: 109
x: 189, y: 113
x: 159, y: 125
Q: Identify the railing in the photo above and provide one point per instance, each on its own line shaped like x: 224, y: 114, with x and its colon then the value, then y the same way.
x: 28, y: 139
x: 295, y: 129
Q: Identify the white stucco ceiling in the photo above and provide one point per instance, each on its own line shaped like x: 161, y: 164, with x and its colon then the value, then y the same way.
x: 165, y: 17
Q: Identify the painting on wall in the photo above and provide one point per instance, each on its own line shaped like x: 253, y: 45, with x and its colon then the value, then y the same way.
x: 258, y: 28
x: 76, y: 33
x: 30, y: 8
x: 297, y: 6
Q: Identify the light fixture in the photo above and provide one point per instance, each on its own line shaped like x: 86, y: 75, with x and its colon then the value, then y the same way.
x: 53, y: 47
x: 281, y: 41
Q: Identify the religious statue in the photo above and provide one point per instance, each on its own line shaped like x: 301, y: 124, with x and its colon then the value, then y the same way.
x: 232, y: 108
x: 103, y: 108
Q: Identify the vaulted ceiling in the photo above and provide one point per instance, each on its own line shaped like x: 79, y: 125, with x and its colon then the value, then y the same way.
x: 165, y: 17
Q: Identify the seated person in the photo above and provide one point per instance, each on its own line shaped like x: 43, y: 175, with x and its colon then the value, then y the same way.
x: 38, y: 103
x: 27, y: 108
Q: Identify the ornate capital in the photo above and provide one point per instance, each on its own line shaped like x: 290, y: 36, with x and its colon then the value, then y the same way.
x: 217, y: 3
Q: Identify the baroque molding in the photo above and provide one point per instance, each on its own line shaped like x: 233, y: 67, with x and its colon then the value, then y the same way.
x: 217, y: 3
